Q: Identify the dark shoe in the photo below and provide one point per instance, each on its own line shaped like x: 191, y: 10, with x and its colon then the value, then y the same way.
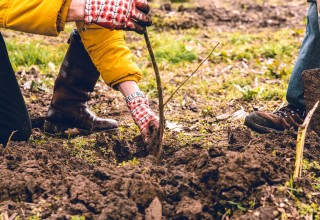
x: 83, y: 122
x: 285, y: 118
x: 76, y: 79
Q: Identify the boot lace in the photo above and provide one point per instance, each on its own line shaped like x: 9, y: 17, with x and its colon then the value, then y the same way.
x: 289, y: 111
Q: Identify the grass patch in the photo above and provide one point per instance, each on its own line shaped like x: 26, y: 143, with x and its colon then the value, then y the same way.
x: 83, y: 148
x: 241, y: 58
x: 174, y: 51
x: 35, y: 53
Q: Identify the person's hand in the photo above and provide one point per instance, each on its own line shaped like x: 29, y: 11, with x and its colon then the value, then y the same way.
x: 129, y: 15
x: 143, y: 116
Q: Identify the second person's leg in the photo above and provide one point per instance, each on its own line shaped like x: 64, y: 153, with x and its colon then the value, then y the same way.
x: 309, y: 58
x: 14, y: 117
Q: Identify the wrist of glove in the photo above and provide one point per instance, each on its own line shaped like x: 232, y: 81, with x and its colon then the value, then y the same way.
x: 143, y: 116
x: 129, y: 15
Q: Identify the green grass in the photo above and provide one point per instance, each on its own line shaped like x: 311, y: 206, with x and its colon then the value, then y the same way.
x: 253, y: 57
x: 261, y: 56
x: 83, y: 148
x: 133, y: 162
x: 174, y: 51
x: 313, y: 169
x: 24, y: 54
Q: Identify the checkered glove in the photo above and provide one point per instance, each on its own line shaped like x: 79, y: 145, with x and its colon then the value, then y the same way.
x: 129, y: 15
x: 143, y: 116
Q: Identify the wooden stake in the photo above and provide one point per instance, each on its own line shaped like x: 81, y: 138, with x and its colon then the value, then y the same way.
x: 302, y: 131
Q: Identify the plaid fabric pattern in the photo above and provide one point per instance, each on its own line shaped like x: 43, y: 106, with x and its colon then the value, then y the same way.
x: 113, y: 14
x: 142, y: 115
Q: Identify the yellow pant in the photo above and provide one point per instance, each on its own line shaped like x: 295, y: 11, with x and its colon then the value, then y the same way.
x: 110, y: 54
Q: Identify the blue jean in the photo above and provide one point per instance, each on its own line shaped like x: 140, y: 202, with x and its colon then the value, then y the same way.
x: 309, y: 58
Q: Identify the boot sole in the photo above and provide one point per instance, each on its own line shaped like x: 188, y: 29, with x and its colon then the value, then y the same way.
x: 259, y: 128
x: 63, y: 130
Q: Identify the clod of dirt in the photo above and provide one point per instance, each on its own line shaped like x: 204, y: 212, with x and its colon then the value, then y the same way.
x: 154, y: 211
x: 311, y: 82
x: 189, y: 208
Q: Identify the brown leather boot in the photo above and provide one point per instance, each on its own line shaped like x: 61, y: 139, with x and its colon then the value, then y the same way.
x: 285, y: 118
x: 68, y: 110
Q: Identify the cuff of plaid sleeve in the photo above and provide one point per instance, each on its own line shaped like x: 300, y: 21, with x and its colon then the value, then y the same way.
x: 134, y: 95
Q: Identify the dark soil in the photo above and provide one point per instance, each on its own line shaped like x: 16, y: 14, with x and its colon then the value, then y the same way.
x: 190, y: 182
x: 230, y: 14
x: 244, y: 175
x: 312, y: 95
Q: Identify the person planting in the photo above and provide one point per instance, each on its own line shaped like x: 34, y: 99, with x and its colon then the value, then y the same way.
x: 94, y: 50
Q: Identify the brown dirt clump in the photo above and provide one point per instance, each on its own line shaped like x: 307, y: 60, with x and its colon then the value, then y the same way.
x: 311, y: 80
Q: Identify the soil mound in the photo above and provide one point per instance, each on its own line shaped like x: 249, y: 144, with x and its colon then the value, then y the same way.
x: 190, y: 183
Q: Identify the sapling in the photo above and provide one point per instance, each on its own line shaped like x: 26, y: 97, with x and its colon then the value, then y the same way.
x: 155, y: 148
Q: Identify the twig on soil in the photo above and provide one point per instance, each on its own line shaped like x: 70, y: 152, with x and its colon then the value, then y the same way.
x: 158, y: 144
x: 196, y: 70
x: 9, y: 139
x: 301, y: 140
